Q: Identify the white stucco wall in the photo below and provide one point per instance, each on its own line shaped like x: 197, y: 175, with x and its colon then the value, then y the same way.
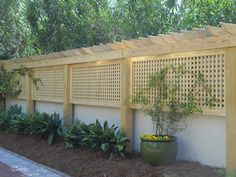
x: 89, y: 114
x: 203, y: 141
x: 49, y: 107
x: 13, y: 102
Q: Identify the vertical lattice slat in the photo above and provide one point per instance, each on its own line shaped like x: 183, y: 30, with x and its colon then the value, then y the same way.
x: 212, y: 66
x: 52, y: 88
x: 96, y: 84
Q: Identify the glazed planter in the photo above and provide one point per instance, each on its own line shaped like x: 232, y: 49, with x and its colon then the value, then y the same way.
x: 159, y: 152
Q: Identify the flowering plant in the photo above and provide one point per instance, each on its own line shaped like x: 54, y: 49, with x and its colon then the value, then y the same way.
x: 171, y: 103
x: 156, y: 137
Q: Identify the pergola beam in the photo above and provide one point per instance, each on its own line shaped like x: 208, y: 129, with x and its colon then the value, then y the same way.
x: 231, y: 28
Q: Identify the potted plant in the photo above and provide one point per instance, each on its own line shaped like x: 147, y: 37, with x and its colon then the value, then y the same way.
x: 168, y: 108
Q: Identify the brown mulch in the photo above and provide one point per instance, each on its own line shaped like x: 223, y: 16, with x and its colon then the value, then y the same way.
x: 86, y: 163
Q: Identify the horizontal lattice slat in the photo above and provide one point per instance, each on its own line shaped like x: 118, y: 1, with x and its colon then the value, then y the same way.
x: 212, y: 66
x: 96, y: 84
x: 52, y: 88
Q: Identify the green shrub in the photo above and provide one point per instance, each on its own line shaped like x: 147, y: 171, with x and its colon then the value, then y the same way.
x: 20, y: 125
x: 116, y: 145
x: 14, y: 111
x: 54, y: 128
x: 6, y: 117
x: 73, y: 137
x: 19, y: 122
x: 39, y: 124
x: 96, y: 136
x: 46, y: 126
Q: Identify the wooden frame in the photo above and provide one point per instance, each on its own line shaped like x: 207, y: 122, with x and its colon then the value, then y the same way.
x: 96, y: 83
x: 231, y: 108
x: 207, y: 61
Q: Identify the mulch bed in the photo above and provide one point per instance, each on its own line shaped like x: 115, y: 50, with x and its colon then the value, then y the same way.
x: 86, y: 163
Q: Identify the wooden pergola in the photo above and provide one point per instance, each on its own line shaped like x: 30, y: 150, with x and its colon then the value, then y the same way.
x: 185, y: 41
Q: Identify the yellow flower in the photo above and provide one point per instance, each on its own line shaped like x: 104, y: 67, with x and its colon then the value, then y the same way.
x: 155, y: 137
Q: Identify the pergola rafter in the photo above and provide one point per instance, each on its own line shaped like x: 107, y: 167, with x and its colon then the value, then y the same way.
x: 212, y: 37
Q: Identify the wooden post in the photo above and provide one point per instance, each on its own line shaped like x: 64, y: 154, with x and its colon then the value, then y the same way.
x: 68, y: 119
x: 29, y: 96
x: 126, y: 116
x: 231, y: 108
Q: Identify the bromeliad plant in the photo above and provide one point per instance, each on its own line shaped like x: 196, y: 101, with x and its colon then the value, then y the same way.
x: 46, y: 126
x: 38, y: 124
x: 19, y: 122
x: 108, y: 139
x: 7, y: 117
x: 115, y: 145
x: 172, y: 103
x: 73, y: 137
x: 95, y: 136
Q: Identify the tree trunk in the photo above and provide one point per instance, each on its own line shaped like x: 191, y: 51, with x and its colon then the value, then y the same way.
x: 3, y: 103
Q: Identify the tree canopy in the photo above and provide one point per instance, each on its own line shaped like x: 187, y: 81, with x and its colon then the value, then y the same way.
x: 31, y: 27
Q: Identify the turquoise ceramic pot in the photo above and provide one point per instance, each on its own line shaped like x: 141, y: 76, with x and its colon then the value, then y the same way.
x: 157, y: 152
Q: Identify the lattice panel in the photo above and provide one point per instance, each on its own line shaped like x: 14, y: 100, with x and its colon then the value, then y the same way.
x: 211, y: 66
x: 96, y: 84
x: 52, y: 88
x: 22, y: 80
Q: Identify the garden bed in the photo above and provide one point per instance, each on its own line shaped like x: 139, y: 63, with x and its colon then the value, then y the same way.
x: 86, y: 163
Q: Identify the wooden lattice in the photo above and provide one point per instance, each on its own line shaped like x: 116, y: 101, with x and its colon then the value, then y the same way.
x: 52, y: 88
x: 96, y: 84
x: 22, y: 95
x: 212, y: 66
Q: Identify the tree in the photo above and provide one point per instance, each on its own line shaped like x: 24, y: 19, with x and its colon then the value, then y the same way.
x: 199, y: 13
x: 135, y: 18
x: 41, y: 26
x: 9, y: 82
x: 15, y: 35
x: 10, y: 85
x: 62, y: 24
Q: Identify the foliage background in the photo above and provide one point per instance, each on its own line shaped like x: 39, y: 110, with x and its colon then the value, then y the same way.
x: 32, y: 27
